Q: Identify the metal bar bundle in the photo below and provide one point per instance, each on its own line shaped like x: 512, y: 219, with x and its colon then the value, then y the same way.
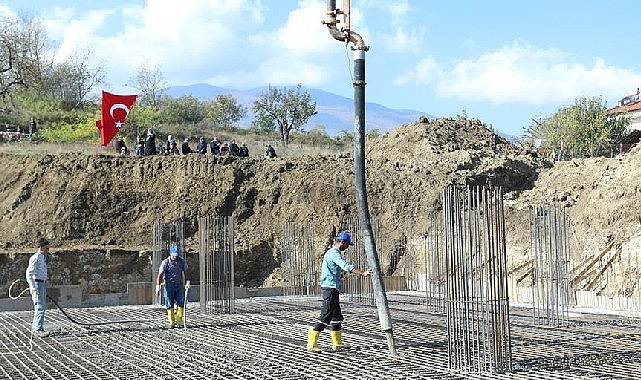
x: 477, y: 300
x: 216, y: 264
x: 550, y: 257
x: 301, y: 269
x: 163, y: 235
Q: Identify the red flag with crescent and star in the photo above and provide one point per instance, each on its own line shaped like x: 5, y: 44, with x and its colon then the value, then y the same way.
x: 115, y: 109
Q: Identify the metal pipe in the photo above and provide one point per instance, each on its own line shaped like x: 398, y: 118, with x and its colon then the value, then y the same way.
x: 360, y: 48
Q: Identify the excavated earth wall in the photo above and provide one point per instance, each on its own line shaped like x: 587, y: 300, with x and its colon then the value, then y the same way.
x: 98, y: 210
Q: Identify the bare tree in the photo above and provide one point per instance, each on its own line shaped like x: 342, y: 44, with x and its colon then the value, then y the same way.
x: 72, y: 80
x: 24, y: 62
x: 149, y: 81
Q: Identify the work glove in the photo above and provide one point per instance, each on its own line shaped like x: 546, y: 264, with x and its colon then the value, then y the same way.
x: 34, y: 291
x: 158, y: 290
x: 187, y: 285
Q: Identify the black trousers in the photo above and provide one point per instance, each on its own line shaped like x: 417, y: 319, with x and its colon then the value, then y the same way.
x: 330, y: 311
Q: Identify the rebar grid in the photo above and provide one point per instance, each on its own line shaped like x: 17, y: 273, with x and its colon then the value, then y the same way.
x: 265, y: 339
x: 477, y: 302
x: 301, y: 269
x: 550, y: 258
x: 216, y: 264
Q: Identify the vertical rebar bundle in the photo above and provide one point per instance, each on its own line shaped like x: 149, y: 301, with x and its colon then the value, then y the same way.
x: 434, y: 263
x: 357, y: 288
x: 163, y: 235
x: 478, y: 324
x: 216, y: 264
x: 301, y: 269
x: 550, y: 257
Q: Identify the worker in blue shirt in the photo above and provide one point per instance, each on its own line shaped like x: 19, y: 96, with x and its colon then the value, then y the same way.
x: 173, y: 272
x: 330, y: 282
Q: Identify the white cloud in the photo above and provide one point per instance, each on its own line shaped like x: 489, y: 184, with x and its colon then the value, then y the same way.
x: 425, y: 72
x: 6, y: 12
x: 227, y: 43
x: 522, y: 74
x: 410, y: 40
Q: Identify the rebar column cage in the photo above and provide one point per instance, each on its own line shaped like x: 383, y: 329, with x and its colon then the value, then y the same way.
x: 301, y: 274
x: 163, y: 235
x: 434, y: 264
x: 550, y: 260
x: 478, y: 325
x: 358, y: 288
x: 216, y: 264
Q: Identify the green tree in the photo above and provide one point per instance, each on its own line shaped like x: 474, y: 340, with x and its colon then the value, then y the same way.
x: 585, y: 127
x: 186, y: 109
x: 225, y: 111
x: 345, y: 136
x: 285, y: 109
x: 140, y: 119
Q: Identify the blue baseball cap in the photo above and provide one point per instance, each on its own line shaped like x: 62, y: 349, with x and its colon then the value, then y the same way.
x: 174, y: 250
x: 344, y: 236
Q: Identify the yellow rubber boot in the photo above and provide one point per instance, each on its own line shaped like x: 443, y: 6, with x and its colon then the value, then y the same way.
x: 312, y: 340
x: 179, y: 315
x: 337, y: 339
x: 170, y: 317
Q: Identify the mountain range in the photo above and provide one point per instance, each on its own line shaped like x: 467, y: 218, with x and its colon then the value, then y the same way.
x: 334, y: 112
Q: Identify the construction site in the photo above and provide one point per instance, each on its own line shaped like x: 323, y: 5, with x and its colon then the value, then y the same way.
x: 458, y: 312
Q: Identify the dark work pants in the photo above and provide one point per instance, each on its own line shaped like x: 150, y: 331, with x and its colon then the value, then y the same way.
x: 330, y: 311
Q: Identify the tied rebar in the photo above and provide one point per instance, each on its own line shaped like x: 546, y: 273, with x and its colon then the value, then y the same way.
x: 478, y: 324
x: 163, y: 235
x: 216, y: 256
x: 432, y: 277
x: 301, y: 269
x: 550, y: 258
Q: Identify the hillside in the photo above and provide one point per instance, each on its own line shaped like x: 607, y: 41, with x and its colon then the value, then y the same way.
x: 108, y: 203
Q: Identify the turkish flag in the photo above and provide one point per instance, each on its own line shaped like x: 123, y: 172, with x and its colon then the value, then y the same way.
x: 115, y: 109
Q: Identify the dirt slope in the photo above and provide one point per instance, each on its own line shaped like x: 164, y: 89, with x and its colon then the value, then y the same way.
x: 99, y: 203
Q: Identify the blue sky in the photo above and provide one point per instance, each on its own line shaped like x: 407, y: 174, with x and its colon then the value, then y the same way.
x: 502, y: 62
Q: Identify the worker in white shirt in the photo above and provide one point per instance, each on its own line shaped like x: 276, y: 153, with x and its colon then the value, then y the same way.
x: 36, y: 274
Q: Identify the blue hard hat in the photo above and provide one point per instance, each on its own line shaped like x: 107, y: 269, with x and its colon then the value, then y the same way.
x: 174, y: 250
x: 344, y: 236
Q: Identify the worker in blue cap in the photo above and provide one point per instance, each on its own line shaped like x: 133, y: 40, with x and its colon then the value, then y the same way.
x: 173, y: 271
x: 330, y: 282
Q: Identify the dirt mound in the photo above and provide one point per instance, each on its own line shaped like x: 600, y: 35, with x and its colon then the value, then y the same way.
x: 107, y: 202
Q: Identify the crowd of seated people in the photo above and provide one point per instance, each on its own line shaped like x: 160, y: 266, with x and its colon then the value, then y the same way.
x: 144, y: 147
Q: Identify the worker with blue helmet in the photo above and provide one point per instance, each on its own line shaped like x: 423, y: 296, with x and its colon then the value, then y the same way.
x: 173, y: 272
x: 330, y: 281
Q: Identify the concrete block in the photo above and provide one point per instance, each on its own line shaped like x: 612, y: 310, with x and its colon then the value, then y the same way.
x: 66, y: 295
x: 140, y: 293
x: 21, y: 304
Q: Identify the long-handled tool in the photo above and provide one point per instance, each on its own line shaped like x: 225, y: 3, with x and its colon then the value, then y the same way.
x: 187, y: 286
